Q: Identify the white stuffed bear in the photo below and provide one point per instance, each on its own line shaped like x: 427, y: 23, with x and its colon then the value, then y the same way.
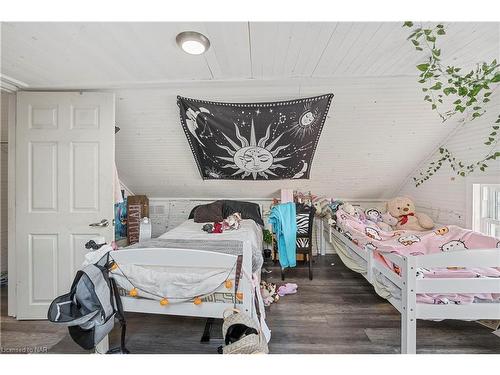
x: 403, y: 209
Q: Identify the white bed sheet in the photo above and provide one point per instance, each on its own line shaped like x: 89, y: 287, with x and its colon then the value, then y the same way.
x: 249, y: 233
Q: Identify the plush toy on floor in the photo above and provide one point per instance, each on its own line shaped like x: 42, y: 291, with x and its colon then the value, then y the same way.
x: 269, y: 293
x: 403, y: 209
x: 288, y: 288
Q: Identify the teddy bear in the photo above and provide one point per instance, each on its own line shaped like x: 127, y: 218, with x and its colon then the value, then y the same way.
x: 403, y: 209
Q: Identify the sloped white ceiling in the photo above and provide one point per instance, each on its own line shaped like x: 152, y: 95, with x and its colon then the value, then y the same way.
x: 377, y: 132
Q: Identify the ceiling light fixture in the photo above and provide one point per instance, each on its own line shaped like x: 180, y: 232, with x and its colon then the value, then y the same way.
x: 192, y: 42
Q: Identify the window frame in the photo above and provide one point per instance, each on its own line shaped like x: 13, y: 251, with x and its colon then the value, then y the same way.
x: 476, y: 218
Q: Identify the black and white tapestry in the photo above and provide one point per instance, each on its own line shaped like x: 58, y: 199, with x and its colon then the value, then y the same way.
x: 255, y: 141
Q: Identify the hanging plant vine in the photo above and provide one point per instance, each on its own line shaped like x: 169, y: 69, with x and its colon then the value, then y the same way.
x: 468, y: 93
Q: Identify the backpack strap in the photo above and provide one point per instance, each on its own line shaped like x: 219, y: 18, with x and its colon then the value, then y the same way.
x: 237, y: 276
x: 257, y: 307
x: 120, y: 314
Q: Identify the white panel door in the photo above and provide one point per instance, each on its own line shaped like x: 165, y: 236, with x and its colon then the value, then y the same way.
x: 64, y: 181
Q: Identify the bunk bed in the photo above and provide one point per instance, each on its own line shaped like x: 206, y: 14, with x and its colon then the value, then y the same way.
x: 204, y: 265
x: 403, y: 283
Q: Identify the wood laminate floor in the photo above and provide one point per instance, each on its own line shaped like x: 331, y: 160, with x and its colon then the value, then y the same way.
x: 337, y: 312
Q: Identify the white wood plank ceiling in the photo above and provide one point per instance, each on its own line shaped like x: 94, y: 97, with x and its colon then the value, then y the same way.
x: 103, y: 55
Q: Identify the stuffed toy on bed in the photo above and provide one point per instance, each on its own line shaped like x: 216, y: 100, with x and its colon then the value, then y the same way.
x: 232, y: 222
x: 389, y: 222
x: 403, y: 209
x: 384, y: 221
x: 321, y: 206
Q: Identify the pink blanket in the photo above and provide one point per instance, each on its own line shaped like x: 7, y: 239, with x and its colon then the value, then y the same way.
x: 411, y: 243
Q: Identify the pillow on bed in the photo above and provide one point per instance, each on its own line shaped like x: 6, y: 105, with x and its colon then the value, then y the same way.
x: 209, y: 213
x: 247, y: 210
x: 191, y: 214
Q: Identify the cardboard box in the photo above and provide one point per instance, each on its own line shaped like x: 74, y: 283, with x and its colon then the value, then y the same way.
x: 137, y: 208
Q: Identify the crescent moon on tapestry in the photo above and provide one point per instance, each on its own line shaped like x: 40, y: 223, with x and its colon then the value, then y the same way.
x: 255, y: 141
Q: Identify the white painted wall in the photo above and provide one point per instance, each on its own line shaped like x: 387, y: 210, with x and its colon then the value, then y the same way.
x: 168, y: 213
x: 377, y: 130
x: 443, y: 196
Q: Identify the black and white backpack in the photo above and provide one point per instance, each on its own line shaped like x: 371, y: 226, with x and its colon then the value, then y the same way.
x: 90, y: 308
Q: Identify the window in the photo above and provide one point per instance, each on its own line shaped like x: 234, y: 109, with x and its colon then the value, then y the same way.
x: 486, y: 209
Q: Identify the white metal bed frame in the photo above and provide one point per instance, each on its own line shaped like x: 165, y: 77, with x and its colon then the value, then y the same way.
x: 176, y: 257
x: 192, y: 259
x: 410, y: 286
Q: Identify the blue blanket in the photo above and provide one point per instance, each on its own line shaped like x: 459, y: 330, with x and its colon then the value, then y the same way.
x: 284, y: 224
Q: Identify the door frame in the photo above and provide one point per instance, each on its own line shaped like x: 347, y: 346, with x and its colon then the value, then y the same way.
x: 11, y: 208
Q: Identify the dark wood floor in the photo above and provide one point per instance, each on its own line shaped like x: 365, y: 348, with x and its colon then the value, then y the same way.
x: 337, y: 312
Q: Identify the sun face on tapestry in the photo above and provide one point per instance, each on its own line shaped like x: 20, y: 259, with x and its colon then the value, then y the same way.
x: 260, y: 141
x: 252, y: 157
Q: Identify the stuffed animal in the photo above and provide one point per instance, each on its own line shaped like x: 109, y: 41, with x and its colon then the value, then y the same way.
x: 321, y: 206
x: 335, y: 205
x: 374, y: 218
x: 384, y: 221
x: 348, y: 208
x: 403, y: 209
x: 269, y: 293
x: 388, y: 222
x: 359, y: 214
x: 232, y: 222
x: 373, y: 214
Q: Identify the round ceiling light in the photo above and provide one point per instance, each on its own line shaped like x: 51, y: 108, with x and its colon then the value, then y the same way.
x: 192, y: 42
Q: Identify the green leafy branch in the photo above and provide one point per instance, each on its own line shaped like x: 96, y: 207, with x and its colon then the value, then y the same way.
x: 468, y: 93
x: 470, y: 90
x: 458, y: 166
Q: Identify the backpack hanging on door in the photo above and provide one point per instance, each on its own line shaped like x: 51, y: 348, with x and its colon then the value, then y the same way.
x: 90, y: 308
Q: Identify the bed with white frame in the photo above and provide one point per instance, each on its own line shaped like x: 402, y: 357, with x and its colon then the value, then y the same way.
x: 410, y: 285
x: 192, y: 259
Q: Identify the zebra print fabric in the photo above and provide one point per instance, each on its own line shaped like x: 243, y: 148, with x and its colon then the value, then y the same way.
x: 302, y: 242
x: 302, y: 223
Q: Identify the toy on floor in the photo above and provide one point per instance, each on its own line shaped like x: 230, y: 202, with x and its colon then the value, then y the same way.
x: 269, y: 293
x: 288, y: 288
x: 403, y: 209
